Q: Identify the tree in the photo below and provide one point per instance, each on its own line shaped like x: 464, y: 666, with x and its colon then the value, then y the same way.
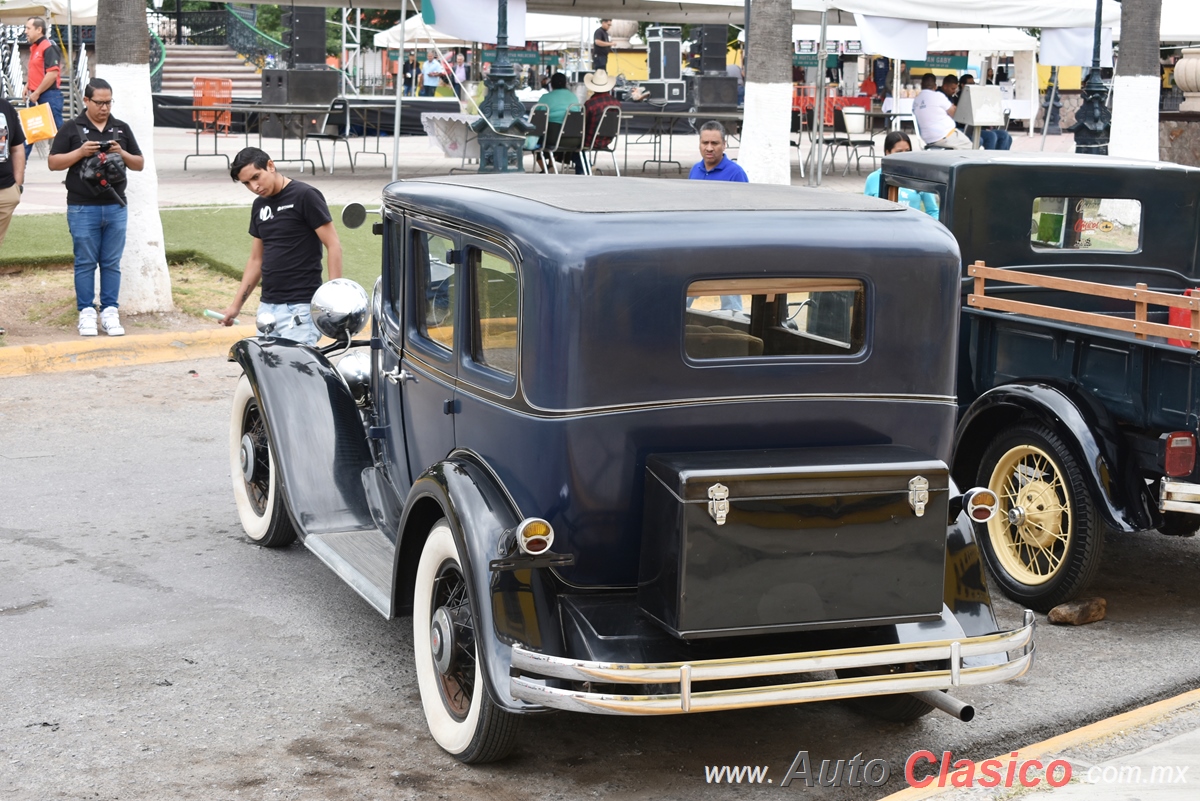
x: 1136, y: 85
x: 123, y: 59
x: 765, y: 153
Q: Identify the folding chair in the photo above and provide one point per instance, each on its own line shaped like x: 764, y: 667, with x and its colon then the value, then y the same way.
x: 339, y: 117
x: 539, y: 118
x: 854, y: 140
x: 570, y: 136
x: 828, y: 139
x: 798, y: 129
x: 608, y: 127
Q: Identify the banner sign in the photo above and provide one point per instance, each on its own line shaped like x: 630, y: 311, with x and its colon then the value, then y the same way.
x: 523, y: 57
x: 939, y: 62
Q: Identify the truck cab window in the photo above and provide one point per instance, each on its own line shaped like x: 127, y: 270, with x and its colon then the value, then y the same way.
x: 1086, y: 223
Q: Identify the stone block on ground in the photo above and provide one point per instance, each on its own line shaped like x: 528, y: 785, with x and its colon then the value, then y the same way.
x: 1078, y: 613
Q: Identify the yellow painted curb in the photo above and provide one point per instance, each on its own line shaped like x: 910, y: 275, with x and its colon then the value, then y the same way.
x: 1091, y: 733
x: 103, y: 351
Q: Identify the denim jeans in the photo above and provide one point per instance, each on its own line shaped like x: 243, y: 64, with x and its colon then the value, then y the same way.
x: 54, y: 98
x: 292, y: 321
x: 99, y: 236
x: 995, y: 139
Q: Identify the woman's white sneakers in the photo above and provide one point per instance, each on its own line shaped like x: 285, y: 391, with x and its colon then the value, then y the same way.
x: 87, y: 322
x: 109, y: 319
x: 111, y: 322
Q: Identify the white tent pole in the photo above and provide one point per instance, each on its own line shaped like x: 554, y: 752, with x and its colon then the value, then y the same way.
x: 1033, y: 89
x: 896, y: 93
x: 71, y: 57
x: 399, y: 96
x: 814, y: 177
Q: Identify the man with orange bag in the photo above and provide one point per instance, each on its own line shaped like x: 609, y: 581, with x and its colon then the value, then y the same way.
x: 45, y: 73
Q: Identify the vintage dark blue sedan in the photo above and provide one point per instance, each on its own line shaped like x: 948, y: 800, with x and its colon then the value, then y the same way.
x: 638, y: 447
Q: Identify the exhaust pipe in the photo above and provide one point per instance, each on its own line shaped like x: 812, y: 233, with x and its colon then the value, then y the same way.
x: 947, y: 703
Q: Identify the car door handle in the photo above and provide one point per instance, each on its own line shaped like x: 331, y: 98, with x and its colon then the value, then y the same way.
x: 399, y: 376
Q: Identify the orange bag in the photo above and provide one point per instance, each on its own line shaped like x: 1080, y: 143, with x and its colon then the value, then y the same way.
x: 37, y: 122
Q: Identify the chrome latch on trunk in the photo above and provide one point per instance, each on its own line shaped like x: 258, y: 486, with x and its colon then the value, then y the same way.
x: 718, y: 503
x: 918, y: 495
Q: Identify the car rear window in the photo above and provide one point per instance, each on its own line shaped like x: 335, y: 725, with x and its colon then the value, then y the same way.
x: 1086, y: 223
x: 769, y: 317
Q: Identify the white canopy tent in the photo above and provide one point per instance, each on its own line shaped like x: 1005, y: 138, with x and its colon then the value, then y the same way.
x: 81, y: 12
x: 553, y: 31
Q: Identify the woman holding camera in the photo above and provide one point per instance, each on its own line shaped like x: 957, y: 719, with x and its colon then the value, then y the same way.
x: 95, y: 149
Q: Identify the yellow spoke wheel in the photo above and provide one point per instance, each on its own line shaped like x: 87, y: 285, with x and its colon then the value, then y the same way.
x: 1043, y: 546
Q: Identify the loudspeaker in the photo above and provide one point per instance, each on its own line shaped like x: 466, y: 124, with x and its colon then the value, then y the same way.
x: 713, y: 45
x: 665, y: 46
x: 666, y: 91
x: 304, y: 32
x: 714, y: 92
x: 297, y: 87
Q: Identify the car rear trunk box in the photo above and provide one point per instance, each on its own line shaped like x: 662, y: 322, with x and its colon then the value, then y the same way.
x: 754, y: 542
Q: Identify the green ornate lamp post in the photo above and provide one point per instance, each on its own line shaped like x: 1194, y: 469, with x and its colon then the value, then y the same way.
x: 503, y: 126
x: 1093, y: 121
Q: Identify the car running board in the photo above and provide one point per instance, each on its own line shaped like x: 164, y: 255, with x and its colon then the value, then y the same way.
x: 363, y: 559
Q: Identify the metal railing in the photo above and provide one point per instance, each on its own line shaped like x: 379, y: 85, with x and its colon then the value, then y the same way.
x: 256, y: 47
x: 158, y: 57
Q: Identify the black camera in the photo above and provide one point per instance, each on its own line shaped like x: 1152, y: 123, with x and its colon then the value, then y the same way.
x: 106, y: 145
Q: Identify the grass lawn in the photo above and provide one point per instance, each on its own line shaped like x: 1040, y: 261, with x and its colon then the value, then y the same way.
x: 217, y: 238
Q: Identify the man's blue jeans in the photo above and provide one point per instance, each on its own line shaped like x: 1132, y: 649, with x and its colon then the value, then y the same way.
x: 99, y: 236
x: 995, y: 139
x: 54, y: 98
x: 292, y: 321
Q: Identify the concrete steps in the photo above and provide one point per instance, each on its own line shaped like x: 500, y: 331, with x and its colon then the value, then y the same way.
x: 185, y: 62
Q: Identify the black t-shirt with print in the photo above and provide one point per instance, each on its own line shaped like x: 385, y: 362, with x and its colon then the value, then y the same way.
x: 286, y: 222
x: 71, y: 137
x: 600, y: 54
x: 11, y: 135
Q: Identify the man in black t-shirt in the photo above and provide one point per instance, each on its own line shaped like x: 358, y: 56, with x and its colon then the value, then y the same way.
x: 289, y: 223
x: 601, y: 44
x: 12, y: 164
x: 95, y: 149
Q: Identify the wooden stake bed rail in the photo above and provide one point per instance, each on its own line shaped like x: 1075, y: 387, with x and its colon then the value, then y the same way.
x: 1140, y: 296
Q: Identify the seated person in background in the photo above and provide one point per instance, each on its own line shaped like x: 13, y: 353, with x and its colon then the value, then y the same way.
x: 935, y: 117
x: 601, y: 84
x: 989, y: 138
x: 898, y: 142
x: 557, y: 100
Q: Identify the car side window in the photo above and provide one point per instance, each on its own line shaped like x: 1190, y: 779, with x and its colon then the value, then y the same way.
x: 436, y: 275
x: 769, y: 317
x: 494, y: 279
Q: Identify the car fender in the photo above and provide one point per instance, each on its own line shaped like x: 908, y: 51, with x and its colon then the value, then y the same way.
x: 317, y: 437
x: 1084, y: 426
x: 510, y: 606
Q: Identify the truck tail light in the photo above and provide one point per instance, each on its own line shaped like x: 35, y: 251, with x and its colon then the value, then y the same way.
x: 534, y: 536
x: 1180, y: 457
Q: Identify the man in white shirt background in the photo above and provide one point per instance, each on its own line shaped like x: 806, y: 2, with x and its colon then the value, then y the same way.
x: 935, y: 117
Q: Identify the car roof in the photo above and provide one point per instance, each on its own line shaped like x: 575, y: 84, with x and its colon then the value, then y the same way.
x: 610, y: 194
x: 938, y: 166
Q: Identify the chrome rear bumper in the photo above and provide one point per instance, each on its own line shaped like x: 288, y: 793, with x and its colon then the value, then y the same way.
x: 686, y: 674
x: 1178, y: 496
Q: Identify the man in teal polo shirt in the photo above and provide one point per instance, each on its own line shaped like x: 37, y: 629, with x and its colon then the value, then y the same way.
x: 715, y: 165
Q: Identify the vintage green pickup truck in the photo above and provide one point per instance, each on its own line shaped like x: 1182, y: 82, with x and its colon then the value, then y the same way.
x: 1078, y: 381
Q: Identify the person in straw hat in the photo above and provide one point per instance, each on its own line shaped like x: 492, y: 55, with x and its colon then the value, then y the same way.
x: 600, y: 84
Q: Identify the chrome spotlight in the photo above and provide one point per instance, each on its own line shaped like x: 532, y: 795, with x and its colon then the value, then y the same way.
x: 355, y: 370
x: 339, y: 308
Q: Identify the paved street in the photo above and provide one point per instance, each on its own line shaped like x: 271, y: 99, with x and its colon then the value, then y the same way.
x: 147, y: 651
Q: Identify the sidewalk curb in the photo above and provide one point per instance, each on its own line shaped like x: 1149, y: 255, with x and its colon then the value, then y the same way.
x: 1096, y: 731
x: 90, y: 354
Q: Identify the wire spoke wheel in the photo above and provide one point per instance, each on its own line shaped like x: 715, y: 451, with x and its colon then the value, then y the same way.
x: 1043, y: 546
x: 256, y: 488
x: 461, y: 714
